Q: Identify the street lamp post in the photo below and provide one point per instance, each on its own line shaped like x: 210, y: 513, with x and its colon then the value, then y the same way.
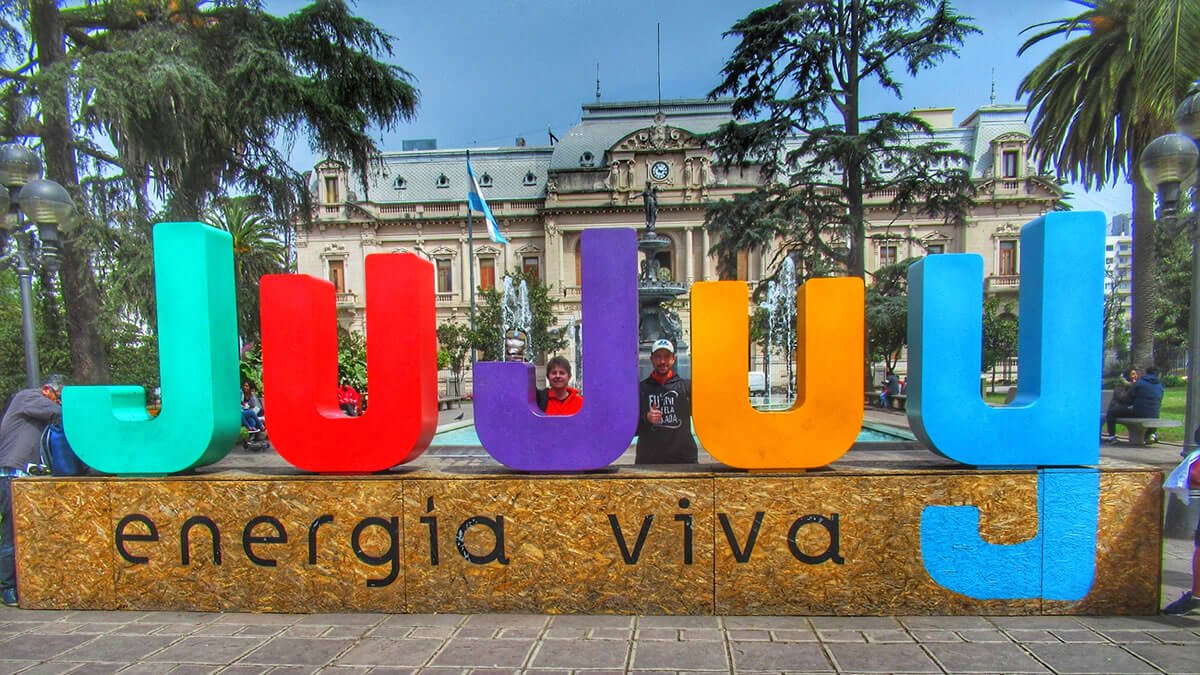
x: 1169, y: 166
x: 33, y: 212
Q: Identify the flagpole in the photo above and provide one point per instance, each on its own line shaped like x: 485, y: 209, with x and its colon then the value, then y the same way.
x: 471, y: 271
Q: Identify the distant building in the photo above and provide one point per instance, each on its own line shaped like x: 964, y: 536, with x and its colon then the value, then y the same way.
x: 1121, y: 225
x: 1118, y: 277
x: 544, y: 197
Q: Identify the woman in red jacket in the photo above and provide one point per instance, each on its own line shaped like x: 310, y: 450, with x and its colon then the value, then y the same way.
x: 559, y: 399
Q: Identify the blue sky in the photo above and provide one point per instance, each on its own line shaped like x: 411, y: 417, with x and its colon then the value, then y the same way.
x: 490, y: 71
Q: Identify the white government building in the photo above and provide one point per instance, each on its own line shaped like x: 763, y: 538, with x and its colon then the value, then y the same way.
x: 544, y: 197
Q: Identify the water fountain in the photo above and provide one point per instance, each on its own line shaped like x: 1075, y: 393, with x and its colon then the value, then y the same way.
x: 516, y: 322
x: 780, y: 306
x: 655, y: 287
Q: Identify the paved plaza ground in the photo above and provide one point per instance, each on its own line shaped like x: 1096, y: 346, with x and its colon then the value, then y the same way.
x: 160, y: 642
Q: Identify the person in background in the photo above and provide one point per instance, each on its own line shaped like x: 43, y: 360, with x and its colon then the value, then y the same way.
x: 890, y: 388
x: 665, y: 412
x: 559, y: 399
x: 1145, y: 401
x: 251, y: 408
x: 348, y: 398
x: 1123, y: 392
x: 29, y: 413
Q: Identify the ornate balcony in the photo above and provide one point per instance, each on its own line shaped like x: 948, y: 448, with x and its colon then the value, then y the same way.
x: 347, y: 299
x: 1000, y: 283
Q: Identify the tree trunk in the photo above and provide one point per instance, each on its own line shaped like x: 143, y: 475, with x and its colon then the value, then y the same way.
x: 80, y: 295
x: 1144, y: 286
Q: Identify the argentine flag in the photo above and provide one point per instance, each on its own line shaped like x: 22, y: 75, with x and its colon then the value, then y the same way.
x: 475, y: 203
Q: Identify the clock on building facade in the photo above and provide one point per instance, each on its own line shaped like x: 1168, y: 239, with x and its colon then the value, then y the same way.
x: 660, y: 170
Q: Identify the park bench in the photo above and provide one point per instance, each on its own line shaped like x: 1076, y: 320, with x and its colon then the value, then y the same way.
x: 1141, y: 428
x: 448, y: 402
x: 895, y: 401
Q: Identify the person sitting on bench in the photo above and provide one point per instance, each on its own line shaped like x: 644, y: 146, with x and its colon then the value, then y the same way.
x: 1146, y: 395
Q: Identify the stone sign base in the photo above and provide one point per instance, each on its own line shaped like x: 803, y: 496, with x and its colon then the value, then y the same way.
x: 703, y: 541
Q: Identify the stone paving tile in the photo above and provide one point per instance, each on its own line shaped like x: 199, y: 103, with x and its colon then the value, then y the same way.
x: 611, y: 634
x: 930, y: 636
x: 342, y: 619
x: 777, y: 656
x: 599, y: 672
x: 10, y: 628
x: 438, y: 632
x: 701, y: 634
x: 103, y: 616
x: 1173, y: 636
x: 680, y: 656
x: 853, y: 622
x: 771, y: 622
x: 136, y: 629
x: 195, y: 618
x: 192, y: 669
x: 748, y: 634
x: 354, y: 632
x: 303, y: 631
x: 1109, y: 623
x: 391, y: 671
x: 1089, y: 658
x: 553, y: 633
x: 1036, y: 622
x: 480, y: 632
x: 118, y: 648
x: 28, y: 615
x: 586, y: 654
x: 1077, y: 636
x: 58, y: 628
x: 945, y: 622
x: 218, y: 629
x: 586, y: 621
x: 887, y: 636
x: 657, y: 634
x: 520, y: 633
x: 284, y: 651
x: 468, y: 653
x: 14, y: 665
x: 425, y: 619
x: 977, y: 658
x: 40, y: 647
x: 331, y: 670
x: 240, y: 669
x: 389, y: 652
x: 175, y: 628
x: 983, y: 636
x: 679, y: 622
x: 840, y: 636
x: 50, y: 668
x: 89, y: 668
x: 1032, y: 635
x: 206, y: 650
x: 882, y: 659
x: 143, y: 669
x: 793, y: 636
x: 1171, y: 658
x: 506, y: 621
x: 251, y: 619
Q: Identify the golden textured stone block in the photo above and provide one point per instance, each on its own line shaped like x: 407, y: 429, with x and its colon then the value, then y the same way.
x: 62, y: 540
x: 571, y: 545
x: 839, y: 541
x: 300, y: 545
x: 878, y: 524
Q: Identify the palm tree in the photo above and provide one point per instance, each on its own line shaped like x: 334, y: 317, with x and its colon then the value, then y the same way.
x: 256, y: 251
x: 1101, y: 97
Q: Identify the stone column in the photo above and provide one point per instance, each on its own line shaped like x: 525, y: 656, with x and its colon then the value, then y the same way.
x: 691, y: 255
